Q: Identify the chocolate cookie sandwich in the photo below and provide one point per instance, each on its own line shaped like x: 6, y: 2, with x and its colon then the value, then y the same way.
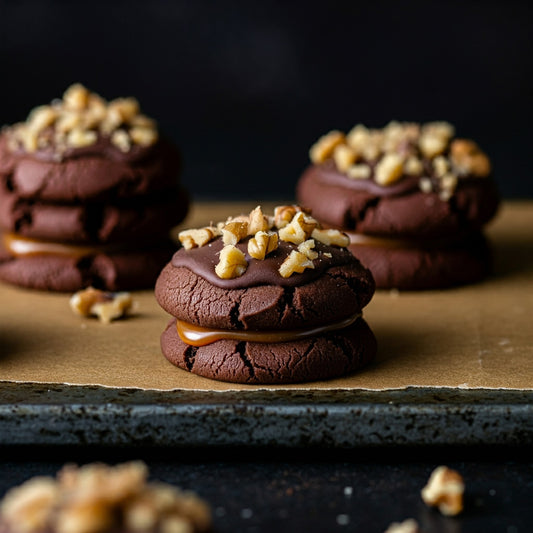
x: 412, y: 198
x: 97, y: 498
x: 266, y: 299
x: 88, y: 194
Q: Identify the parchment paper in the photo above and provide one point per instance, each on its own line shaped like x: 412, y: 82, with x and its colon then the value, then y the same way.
x: 480, y: 336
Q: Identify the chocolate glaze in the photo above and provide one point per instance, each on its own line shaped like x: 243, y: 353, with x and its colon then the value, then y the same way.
x: 202, y: 261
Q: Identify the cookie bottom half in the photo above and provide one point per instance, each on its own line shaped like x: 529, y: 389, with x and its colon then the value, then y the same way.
x: 129, y: 270
x: 316, y: 358
x: 427, y: 268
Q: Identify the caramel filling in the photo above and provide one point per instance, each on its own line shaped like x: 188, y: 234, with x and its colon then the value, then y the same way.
x: 200, y: 336
x: 19, y: 246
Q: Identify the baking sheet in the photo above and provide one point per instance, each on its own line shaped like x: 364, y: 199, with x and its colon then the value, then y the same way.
x: 479, y: 336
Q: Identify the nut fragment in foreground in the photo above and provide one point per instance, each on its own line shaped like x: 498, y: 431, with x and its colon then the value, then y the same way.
x: 97, y: 498
x: 444, y: 490
x: 107, y: 306
x: 407, y: 526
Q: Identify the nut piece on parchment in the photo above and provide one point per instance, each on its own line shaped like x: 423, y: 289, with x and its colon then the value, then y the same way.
x: 407, y: 526
x: 444, y: 490
x: 107, y: 306
x: 97, y: 498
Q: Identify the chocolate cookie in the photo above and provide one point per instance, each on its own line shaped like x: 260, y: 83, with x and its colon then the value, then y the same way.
x: 412, y: 197
x: 266, y: 300
x: 77, y: 176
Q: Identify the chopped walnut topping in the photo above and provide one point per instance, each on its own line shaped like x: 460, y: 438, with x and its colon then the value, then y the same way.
x: 82, y: 116
x: 232, y: 263
x: 323, y: 148
x: 98, y: 498
x: 306, y: 248
x: 407, y: 526
x: 234, y: 231
x: 413, y: 166
x: 467, y: 158
x: 344, y: 157
x: 434, y: 138
x: 76, y: 97
x: 78, y: 138
x: 359, y: 172
x: 444, y: 490
x: 299, y: 229
x: 283, y: 214
x: 425, y: 185
x: 331, y: 237
x: 389, y: 169
x: 296, y: 262
x: 441, y: 166
x: 257, y: 221
x: 107, y: 306
x: 143, y: 136
x: 121, y: 140
x: 262, y: 244
x: 193, y: 238
x: 448, y: 182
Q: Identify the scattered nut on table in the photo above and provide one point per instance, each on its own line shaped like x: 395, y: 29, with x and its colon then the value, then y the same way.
x: 407, y: 526
x: 107, y: 306
x: 444, y: 489
x: 97, y: 498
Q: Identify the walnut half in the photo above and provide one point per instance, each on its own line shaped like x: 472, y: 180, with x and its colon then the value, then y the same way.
x: 107, y: 306
x: 444, y: 490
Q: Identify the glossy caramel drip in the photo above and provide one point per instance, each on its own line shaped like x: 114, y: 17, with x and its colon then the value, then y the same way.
x: 19, y: 246
x: 200, y: 336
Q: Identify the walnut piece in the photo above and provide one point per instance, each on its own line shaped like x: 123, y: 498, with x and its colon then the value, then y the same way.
x: 262, y: 244
x: 78, y: 138
x: 283, y: 214
x: 76, y: 97
x: 444, y: 490
x: 28, y: 506
x: 331, y: 237
x: 306, y: 248
x: 234, y: 231
x: 296, y: 262
x: 359, y: 172
x: 192, y: 238
x: 257, y: 221
x: 344, y: 157
x: 323, y: 148
x: 107, y: 306
x: 425, y: 185
x: 97, y: 498
x: 441, y: 166
x: 232, y: 263
x: 407, y: 526
x: 389, y: 169
x: 121, y: 140
x: 299, y: 229
x: 413, y: 166
x: 468, y: 158
x: 144, y: 136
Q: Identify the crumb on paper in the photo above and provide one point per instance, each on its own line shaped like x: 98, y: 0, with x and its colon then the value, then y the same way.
x: 107, y: 306
x: 444, y: 490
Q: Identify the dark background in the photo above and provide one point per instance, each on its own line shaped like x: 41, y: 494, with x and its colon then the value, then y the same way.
x: 246, y: 87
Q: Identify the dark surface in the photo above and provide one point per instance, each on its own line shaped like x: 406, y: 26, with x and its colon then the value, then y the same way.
x: 246, y: 87
x: 363, y: 491
x: 91, y: 416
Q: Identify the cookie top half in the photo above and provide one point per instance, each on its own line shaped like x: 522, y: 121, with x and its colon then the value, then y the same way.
x: 260, y: 272
x: 82, y: 147
x: 406, y: 179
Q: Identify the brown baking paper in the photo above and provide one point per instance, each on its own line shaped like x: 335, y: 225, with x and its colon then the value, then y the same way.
x: 479, y: 336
